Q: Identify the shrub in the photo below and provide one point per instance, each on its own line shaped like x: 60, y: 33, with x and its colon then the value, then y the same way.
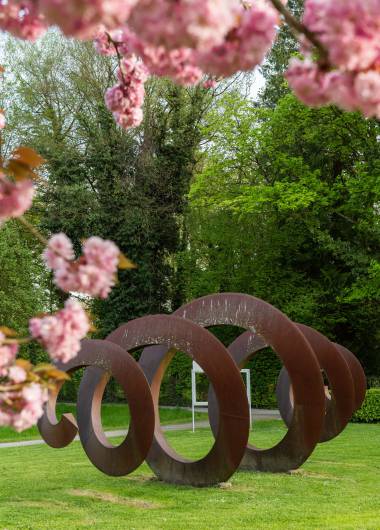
x: 370, y: 410
x: 373, y: 381
x: 265, y: 368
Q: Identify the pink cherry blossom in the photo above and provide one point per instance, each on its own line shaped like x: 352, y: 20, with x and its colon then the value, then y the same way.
x: 17, y: 374
x: 8, y: 354
x: 82, y: 18
x: 367, y: 90
x: 84, y: 278
x: 103, y: 254
x: 210, y: 83
x: 126, y: 98
x: 61, y: 333
x: 307, y: 82
x: 102, y: 43
x: 348, y: 90
x: 194, y: 24
x: 15, y: 197
x: 245, y: 46
x: 21, y: 409
x: 182, y: 39
x: 2, y: 120
x: 59, y: 250
x: 22, y: 19
x: 350, y: 30
x: 94, y: 273
x: 178, y: 65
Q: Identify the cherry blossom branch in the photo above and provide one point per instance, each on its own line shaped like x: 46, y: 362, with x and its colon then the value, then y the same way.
x: 33, y: 230
x: 118, y: 55
x: 24, y: 340
x: 298, y: 28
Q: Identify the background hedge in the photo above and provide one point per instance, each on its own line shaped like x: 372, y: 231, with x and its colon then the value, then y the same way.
x: 370, y: 410
x: 373, y: 381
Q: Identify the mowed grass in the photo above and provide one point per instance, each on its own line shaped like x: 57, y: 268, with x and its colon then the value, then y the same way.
x: 114, y: 417
x: 338, y: 488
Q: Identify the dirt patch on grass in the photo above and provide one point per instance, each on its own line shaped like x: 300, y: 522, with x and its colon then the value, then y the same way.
x: 114, y: 499
x: 345, y: 464
x: 46, y: 505
x: 312, y: 474
x: 142, y: 479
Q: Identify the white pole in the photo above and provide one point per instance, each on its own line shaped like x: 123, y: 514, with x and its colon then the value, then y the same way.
x: 249, y: 396
x: 193, y: 397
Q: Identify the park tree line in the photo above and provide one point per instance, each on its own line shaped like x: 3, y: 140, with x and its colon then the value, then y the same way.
x: 215, y: 191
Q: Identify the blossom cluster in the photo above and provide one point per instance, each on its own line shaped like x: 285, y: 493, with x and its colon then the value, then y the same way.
x: 22, y: 19
x: 23, y: 395
x: 15, y: 197
x: 188, y: 39
x: 22, y: 407
x: 8, y: 354
x: 183, y: 40
x: 81, y: 18
x: 24, y: 388
x: 350, y: 32
x: 20, y: 404
x: 125, y: 99
x: 245, y: 45
x: 61, y: 333
x: 94, y: 273
x: 197, y: 24
x: 178, y: 64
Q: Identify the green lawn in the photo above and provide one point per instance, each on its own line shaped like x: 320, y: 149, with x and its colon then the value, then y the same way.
x: 113, y: 417
x: 338, y: 488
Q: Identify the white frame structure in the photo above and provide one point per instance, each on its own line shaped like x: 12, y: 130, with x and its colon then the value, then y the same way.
x: 196, y: 369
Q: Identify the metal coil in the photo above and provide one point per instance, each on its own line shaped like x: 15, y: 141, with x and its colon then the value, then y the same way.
x: 311, y: 414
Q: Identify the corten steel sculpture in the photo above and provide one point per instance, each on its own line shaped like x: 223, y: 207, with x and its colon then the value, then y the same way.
x: 311, y: 414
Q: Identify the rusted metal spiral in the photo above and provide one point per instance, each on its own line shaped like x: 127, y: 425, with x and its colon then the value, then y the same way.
x: 311, y: 414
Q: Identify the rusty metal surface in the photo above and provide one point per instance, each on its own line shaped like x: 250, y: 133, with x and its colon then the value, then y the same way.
x: 56, y: 433
x: 305, y: 353
x: 343, y: 371
x: 340, y: 401
x: 269, y: 326
x: 175, y: 334
x: 358, y: 375
x: 105, y: 359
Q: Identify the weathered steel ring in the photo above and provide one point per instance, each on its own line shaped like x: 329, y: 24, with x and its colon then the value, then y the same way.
x: 104, y: 358
x: 358, y: 375
x: 270, y: 327
x: 57, y: 433
x: 340, y: 403
x: 177, y: 334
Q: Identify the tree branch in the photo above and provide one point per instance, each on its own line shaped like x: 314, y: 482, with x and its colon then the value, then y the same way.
x: 33, y: 230
x: 298, y: 28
